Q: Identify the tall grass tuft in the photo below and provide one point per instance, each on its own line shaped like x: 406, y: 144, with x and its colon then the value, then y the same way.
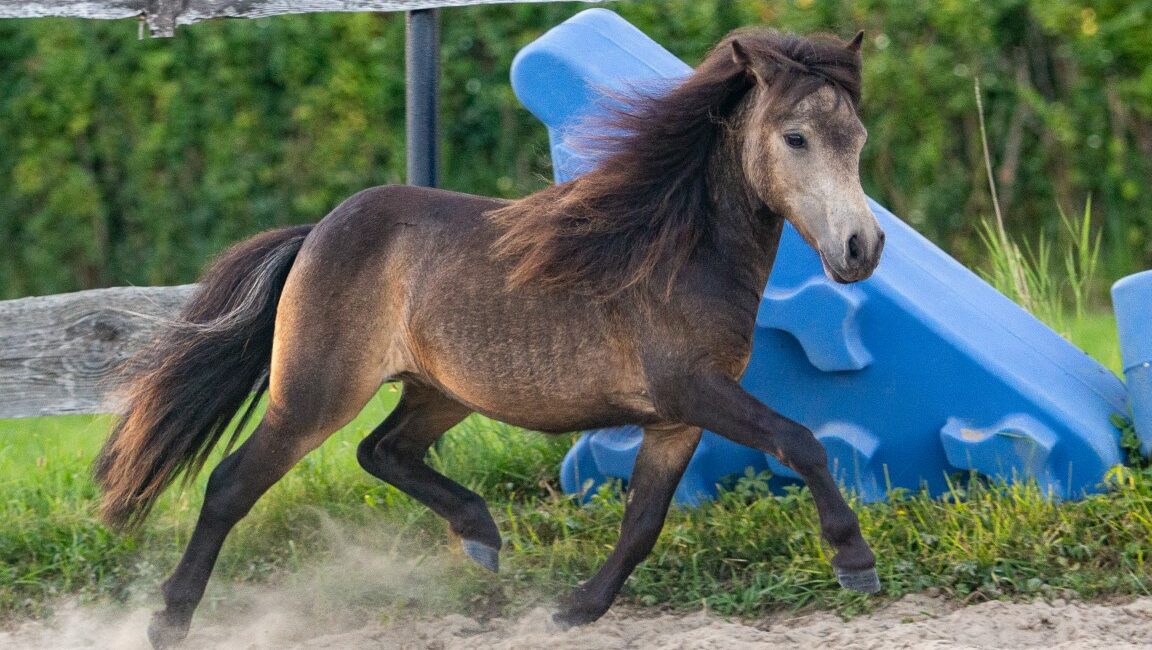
x: 1026, y: 274
x: 1058, y: 296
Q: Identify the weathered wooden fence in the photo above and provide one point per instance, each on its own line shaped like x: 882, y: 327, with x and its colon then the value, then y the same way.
x: 58, y: 353
x: 163, y: 16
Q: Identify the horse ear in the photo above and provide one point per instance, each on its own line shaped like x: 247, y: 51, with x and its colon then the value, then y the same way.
x: 744, y: 60
x: 854, y: 46
x: 740, y: 55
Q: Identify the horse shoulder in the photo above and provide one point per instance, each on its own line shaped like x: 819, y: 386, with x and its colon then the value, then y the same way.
x: 705, y: 328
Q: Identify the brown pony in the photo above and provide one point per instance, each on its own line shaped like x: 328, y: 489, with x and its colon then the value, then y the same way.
x: 628, y: 295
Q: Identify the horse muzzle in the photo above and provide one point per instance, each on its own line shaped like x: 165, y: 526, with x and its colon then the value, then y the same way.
x: 857, y: 259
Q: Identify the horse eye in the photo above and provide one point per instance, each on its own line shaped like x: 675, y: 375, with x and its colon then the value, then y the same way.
x: 795, y: 140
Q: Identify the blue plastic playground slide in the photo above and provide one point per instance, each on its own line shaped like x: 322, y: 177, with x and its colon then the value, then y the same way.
x: 917, y: 373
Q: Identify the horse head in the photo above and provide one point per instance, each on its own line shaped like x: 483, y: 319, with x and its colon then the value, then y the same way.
x: 802, y: 139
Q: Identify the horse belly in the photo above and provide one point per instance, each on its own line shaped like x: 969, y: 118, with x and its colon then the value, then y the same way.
x: 536, y: 370
x: 556, y: 398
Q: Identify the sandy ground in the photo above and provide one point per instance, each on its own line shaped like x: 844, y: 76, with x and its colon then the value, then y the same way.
x: 912, y: 622
x: 337, y: 605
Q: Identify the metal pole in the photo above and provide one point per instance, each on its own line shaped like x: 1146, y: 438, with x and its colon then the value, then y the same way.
x: 422, y: 49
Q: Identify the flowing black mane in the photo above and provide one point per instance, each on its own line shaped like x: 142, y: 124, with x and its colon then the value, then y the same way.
x: 647, y: 205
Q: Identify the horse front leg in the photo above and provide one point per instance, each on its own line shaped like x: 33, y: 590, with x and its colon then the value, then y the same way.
x: 720, y: 404
x: 664, y: 453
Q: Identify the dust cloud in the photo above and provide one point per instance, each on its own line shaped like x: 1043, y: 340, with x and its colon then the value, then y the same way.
x: 353, y: 585
x: 360, y: 598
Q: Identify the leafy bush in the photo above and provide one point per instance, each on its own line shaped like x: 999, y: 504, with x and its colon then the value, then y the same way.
x: 126, y: 161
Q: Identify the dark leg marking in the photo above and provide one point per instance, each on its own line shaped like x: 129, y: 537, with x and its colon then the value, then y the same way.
x: 664, y: 454
x: 394, y: 452
x: 234, y: 487
x: 719, y: 404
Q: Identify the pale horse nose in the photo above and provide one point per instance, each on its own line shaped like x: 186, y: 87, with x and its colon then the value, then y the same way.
x: 858, y: 257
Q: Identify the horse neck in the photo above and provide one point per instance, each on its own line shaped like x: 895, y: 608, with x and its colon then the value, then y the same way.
x: 745, y: 232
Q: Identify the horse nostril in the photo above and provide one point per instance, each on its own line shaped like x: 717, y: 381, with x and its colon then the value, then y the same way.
x: 853, y: 247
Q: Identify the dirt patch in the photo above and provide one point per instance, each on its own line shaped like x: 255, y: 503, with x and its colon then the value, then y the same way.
x: 364, y: 598
x: 912, y: 622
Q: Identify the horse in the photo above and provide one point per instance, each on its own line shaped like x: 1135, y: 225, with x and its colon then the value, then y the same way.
x: 626, y: 296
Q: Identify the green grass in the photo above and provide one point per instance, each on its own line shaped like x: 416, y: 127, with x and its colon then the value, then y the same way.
x: 745, y: 554
x: 1095, y: 333
x: 51, y: 543
x: 749, y: 552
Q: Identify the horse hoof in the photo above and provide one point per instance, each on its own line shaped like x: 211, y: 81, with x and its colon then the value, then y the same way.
x: 569, y: 618
x: 865, y: 581
x: 482, y: 554
x: 578, y: 609
x: 163, y: 635
x: 561, y: 620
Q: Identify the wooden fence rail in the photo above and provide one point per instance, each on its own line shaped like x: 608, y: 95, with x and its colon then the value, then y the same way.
x: 162, y: 16
x: 58, y: 353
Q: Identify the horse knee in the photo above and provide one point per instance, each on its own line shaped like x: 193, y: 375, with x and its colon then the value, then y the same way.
x: 643, y: 529
x: 809, y: 460
x: 798, y: 448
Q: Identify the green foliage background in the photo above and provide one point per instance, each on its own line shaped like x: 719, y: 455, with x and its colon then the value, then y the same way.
x: 131, y: 162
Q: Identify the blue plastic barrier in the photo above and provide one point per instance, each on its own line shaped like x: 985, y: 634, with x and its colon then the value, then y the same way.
x: 919, y: 372
x: 1132, y: 301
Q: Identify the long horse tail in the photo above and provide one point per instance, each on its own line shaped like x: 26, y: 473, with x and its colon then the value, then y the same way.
x: 182, y: 392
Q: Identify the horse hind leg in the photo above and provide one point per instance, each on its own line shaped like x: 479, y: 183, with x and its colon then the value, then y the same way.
x: 394, y: 452
x: 295, y: 423
x: 235, y: 485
